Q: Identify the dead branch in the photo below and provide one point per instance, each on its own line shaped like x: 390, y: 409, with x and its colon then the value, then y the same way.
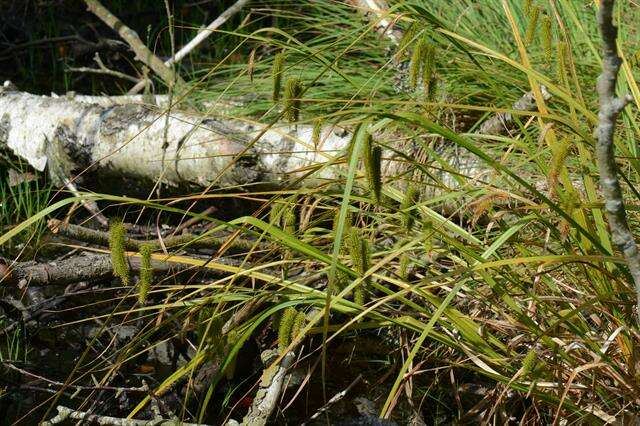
x: 92, y: 236
x: 86, y: 267
x: 65, y: 413
x: 337, y: 397
x: 142, y: 389
x: 103, y: 70
x: 202, y: 35
x: 610, y: 106
x: 142, y: 52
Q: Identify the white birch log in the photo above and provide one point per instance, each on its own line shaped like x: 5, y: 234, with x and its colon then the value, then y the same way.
x: 128, y: 140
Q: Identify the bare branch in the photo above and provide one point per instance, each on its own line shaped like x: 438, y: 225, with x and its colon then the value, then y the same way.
x: 610, y: 106
x: 143, y: 54
x: 199, y: 38
x: 86, y: 417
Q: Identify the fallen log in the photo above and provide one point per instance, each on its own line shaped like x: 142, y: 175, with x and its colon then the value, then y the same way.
x: 129, y: 142
x: 139, y: 143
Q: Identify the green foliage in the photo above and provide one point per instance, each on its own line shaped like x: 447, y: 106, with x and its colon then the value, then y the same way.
x: 119, y: 263
x: 20, y: 201
x: 539, y: 272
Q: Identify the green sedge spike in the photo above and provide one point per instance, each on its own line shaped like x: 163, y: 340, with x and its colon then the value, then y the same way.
x: 411, y: 198
x: 359, y: 297
x: 298, y: 324
x: 366, y: 257
x: 276, y: 75
x: 547, y: 36
x: 231, y: 338
x: 289, y: 220
x: 561, y: 70
x: 527, y: 6
x: 204, y: 315
x: 428, y: 66
x: 404, y: 266
x: 316, y: 134
x: 146, y: 272
x: 635, y: 60
x: 407, y: 38
x: 532, y: 26
x: 275, y: 214
x: 373, y: 167
x: 355, y: 250
x: 286, y: 325
x: 416, y: 64
x: 558, y: 156
x: 529, y: 362
x: 292, y: 94
x: 348, y: 221
x: 117, y: 235
x: 347, y: 226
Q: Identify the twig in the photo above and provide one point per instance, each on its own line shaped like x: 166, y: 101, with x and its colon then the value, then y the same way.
x: 10, y: 366
x: 90, y: 205
x: 199, y: 38
x: 190, y: 222
x: 207, y: 31
x: 102, y: 69
x: 610, y: 106
x: 337, y: 397
x: 142, y: 52
x: 93, y: 236
x: 65, y: 413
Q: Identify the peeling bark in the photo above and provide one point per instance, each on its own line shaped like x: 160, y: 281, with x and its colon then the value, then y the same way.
x: 127, y: 141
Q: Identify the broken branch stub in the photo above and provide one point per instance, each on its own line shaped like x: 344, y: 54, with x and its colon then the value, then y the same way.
x: 126, y: 141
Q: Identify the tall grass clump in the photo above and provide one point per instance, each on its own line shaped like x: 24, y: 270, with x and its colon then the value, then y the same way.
x: 480, y: 265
